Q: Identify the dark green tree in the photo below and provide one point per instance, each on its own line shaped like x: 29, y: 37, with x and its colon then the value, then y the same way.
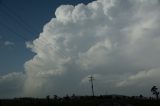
x: 155, y: 92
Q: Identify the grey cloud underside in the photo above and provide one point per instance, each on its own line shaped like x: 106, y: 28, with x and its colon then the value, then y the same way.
x: 11, y: 85
x: 115, y: 40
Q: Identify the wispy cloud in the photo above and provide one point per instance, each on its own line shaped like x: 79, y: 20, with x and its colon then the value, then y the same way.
x: 4, y: 43
x: 9, y: 43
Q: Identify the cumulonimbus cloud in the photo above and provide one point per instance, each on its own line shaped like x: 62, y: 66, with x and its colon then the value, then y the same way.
x: 115, y: 40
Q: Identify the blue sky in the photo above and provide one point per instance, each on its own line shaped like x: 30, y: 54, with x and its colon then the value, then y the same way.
x: 34, y: 14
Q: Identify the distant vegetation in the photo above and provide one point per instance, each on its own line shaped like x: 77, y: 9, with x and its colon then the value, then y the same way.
x: 105, y: 100
x: 155, y: 92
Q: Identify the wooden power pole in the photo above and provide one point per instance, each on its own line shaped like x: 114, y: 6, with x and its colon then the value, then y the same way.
x: 91, y: 78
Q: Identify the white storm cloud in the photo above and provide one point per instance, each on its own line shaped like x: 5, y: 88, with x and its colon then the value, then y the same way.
x: 115, y: 40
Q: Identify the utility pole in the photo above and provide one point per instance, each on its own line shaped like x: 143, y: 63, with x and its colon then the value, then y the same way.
x: 91, y: 78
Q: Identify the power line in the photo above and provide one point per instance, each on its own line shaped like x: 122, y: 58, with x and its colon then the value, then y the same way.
x: 17, y: 19
x: 16, y: 34
x: 22, y: 23
x: 21, y: 19
x: 23, y: 38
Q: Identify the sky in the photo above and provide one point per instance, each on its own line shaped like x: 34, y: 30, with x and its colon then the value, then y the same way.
x: 25, y: 19
x: 51, y: 47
